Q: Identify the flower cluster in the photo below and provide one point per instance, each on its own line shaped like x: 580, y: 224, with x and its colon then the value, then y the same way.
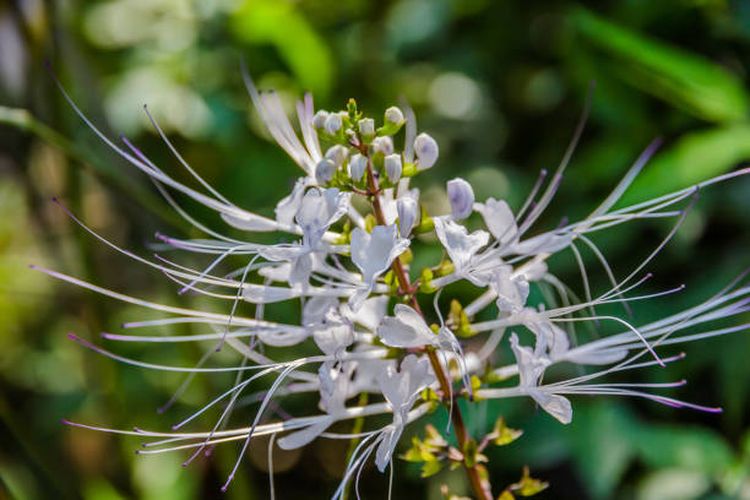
x: 350, y: 221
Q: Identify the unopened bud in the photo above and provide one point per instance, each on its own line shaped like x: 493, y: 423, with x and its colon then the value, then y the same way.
x: 367, y: 127
x: 408, y: 213
x: 461, y: 198
x: 337, y: 154
x: 427, y: 151
x: 324, y: 171
x: 394, y: 116
x: 357, y: 167
x: 319, y: 120
x: 393, y: 167
x: 333, y: 123
x: 383, y: 145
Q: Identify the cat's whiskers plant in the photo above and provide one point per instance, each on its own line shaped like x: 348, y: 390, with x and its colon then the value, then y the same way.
x: 371, y: 349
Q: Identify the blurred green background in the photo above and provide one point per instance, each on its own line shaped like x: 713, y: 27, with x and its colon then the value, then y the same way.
x: 500, y: 85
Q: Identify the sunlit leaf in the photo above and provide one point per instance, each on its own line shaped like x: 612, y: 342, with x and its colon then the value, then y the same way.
x: 692, y: 159
x: 281, y: 25
x: 685, y: 80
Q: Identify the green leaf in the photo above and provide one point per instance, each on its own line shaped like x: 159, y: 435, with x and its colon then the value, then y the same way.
x: 601, y: 437
x: 431, y: 468
x: 281, y: 25
x: 693, y: 448
x: 687, y: 81
x: 528, y: 486
x: 694, y: 158
x: 470, y: 452
x: 503, y: 434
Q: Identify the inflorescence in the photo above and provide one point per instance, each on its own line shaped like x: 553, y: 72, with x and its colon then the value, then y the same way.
x: 352, y: 217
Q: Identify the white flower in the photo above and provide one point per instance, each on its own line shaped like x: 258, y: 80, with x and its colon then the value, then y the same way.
x: 370, y: 313
x: 401, y: 390
x: 383, y: 145
x: 499, y: 220
x: 408, y: 214
x: 367, y: 127
x: 324, y: 171
x: 287, y: 208
x: 319, y: 120
x: 461, y: 198
x: 551, y: 340
x: 317, y: 308
x: 333, y: 335
x: 393, y: 167
x: 373, y: 254
x: 347, y: 314
x: 271, y: 111
x: 462, y: 247
x: 337, y: 154
x: 334, y: 391
x: 544, y: 243
x: 357, y: 167
x: 512, y: 291
x: 407, y: 329
x: 333, y: 123
x: 530, y: 371
x: 318, y: 210
x: 427, y: 151
x: 394, y: 116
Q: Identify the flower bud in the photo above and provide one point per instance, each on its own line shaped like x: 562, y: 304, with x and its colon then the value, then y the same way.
x: 337, y: 154
x: 367, y: 127
x: 357, y: 167
x: 427, y: 151
x: 324, y: 171
x: 393, y: 167
x: 319, y: 120
x: 383, y: 145
x: 461, y: 198
x: 408, y: 213
x: 394, y: 116
x: 333, y: 123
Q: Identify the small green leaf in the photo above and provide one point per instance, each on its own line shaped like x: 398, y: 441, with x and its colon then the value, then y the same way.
x: 528, y: 486
x: 470, y: 452
x: 460, y: 321
x: 431, y: 468
x: 503, y: 435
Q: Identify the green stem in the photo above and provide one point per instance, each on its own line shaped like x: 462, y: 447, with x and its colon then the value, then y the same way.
x: 482, y: 488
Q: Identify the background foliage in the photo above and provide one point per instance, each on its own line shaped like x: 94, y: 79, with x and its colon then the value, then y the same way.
x: 499, y: 84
